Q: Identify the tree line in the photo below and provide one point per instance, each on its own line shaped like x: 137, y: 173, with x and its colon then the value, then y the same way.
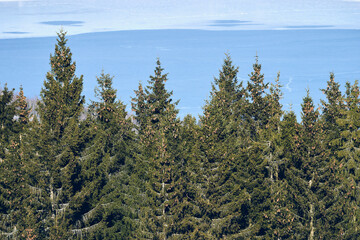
x: 245, y: 170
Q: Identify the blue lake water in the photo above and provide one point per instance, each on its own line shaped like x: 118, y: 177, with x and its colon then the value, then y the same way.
x: 192, y: 58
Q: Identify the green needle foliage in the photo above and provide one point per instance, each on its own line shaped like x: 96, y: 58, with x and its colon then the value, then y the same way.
x: 348, y: 160
x: 243, y: 170
x: 225, y: 197
x: 7, y: 113
x: 159, y: 140
x: 59, y: 141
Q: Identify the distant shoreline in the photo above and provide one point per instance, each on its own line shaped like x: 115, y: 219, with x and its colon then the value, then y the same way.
x: 22, y: 35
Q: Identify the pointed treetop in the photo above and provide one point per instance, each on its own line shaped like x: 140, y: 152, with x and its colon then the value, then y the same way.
x: 61, y: 37
x: 352, y: 95
x: 332, y: 77
x: 227, y: 80
x: 61, y: 97
x: 105, y: 91
x: 62, y: 66
x: 156, y: 88
x: 154, y: 101
x: 158, y: 75
x: 309, y: 114
x: 256, y: 86
x: 332, y: 91
x: 22, y: 107
x: 256, y: 65
x: 290, y: 107
x: 332, y: 107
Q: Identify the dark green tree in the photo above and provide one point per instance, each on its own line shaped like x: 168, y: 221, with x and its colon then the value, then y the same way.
x: 280, y: 215
x: 328, y: 195
x: 305, y: 170
x: 7, y: 114
x: 257, y: 111
x: 159, y: 140
x: 309, y: 161
x: 21, y: 215
x: 291, y: 197
x: 106, y: 165
x: 347, y: 226
x: 332, y: 108
x: 187, y: 213
x: 224, y: 200
x: 59, y: 142
x: 61, y: 97
x: 139, y: 107
x: 8, y: 168
x: 260, y: 148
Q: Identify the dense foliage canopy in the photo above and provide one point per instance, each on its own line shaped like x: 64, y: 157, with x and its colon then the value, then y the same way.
x: 244, y: 170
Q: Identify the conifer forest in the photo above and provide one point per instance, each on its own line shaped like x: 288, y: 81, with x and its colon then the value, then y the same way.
x: 244, y: 169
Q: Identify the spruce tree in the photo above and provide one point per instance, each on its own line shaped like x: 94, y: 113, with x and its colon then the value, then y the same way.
x: 332, y: 108
x: 22, y: 107
x: 257, y: 111
x: 21, y: 207
x: 280, y: 214
x: 188, y: 213
x: 106, y: 165
x: 61, y: 97
x: 59, y: 141
x: 292, y: 196
x: 224, y: 198
x: 9, y: 171
x: 348, y: 161
x: 329, y: 197
x: 7, y: 114
x: 159, y: 141
x: 306, y: 169
x: 139, y: 107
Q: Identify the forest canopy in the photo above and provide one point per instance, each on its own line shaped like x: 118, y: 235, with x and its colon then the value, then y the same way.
x: 245, y: 169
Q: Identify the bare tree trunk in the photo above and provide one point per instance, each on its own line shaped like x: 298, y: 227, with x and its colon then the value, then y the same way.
x: 311, y: 237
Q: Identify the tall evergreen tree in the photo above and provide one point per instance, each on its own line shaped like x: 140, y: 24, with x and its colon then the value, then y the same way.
x: 8, y: 168
x: 23, y: 109
x: 159, y: 139
x: 332, y: 108
x: 21, y: 208
x: 7, y: 114
x: 279, y: 215
x: 307, y: 168
x: 106, y: 168
x: 256, y: 119
x: 61, y: 97
x: 139, y: 107
x: 291, y: 197
x: 188, y: 212
x: 59, y: 141
x: 258, y: 108
x: 348, y: 161
x: 329, y: 197
x: 225, y: 200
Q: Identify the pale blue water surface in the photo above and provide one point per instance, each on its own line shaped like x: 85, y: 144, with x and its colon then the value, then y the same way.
x: 304, y: 57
